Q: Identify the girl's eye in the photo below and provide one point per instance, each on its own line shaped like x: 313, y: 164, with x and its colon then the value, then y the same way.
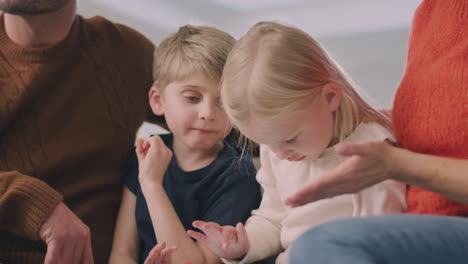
x: 291, y: 140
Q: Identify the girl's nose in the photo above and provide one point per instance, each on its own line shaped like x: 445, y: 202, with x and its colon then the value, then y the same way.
x: 281, y: 153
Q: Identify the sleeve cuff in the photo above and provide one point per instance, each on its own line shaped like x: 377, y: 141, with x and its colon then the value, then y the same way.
x: 35, y: 202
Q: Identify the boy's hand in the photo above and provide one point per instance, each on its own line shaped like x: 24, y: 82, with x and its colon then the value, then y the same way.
x: 227, y: 242
x: 160, y: 254
x: 153, y: 159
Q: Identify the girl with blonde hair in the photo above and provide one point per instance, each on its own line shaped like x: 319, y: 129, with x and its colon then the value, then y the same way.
x: 282, y: 90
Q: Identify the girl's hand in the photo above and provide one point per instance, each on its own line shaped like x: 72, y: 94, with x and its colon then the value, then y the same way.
x: 161, y: 255
x: 369, y: 164
x: 153, y: 159
x: 227, y: 242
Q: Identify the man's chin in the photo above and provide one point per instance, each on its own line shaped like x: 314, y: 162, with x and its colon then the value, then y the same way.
x: 32, y: 7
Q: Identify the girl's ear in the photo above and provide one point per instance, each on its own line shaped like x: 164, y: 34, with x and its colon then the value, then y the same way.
x: 331, y: 95
x: 155, y: 100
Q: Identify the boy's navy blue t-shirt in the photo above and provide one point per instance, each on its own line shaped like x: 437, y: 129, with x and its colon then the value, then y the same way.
x: 224, y: 192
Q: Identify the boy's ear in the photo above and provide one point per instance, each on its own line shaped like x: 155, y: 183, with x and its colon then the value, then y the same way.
x: 331, y: 95
x: 155, y: 100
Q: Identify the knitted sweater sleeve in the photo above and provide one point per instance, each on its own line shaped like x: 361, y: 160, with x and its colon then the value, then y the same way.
x: 25, y: 203
x: 264, y: 226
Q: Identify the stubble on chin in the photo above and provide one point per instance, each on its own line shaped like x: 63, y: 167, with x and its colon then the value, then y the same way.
x: 31, y: 7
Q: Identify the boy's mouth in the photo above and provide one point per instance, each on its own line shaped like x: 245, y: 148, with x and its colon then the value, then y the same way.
x: 203, y: 131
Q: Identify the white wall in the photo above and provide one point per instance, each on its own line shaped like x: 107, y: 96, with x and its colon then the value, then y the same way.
x: 368, y: 37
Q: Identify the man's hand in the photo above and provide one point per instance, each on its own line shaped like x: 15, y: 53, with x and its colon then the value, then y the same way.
x: 225, y: 241
x: 68, y: 239
x: 369, y: 164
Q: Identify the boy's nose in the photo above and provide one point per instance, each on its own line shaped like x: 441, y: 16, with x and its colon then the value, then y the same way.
x: 207, y: 112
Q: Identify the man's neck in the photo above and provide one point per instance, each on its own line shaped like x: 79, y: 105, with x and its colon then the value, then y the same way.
x: 40, y: 31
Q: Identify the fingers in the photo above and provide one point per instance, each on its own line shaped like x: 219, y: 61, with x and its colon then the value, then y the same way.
x: 322, y: 188
x: 242, y: 237
x: 87, y: 257
x: 210, y: 229
x: 229, y: 234
x: 78, y: 253
x: 391, y: 142
x: 349, y: 149
x: 166, y: 255
x: 69, y: 251
x: 155, y: 254
x: 341, y: 180
x: 156, y: 146
x: 207, y: 226
x: 53, y: 254
x: 303, y: 196
x: 72, y: 250
x: 197, y: 223
x: 139, y: 148
x: 212, y: 232
x: 197, y: 236
x: 160, y: 254
x: 68, y: 239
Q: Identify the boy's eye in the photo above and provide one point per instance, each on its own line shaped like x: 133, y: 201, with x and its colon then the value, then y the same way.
x: 192, y: 99
x: 219, y: 103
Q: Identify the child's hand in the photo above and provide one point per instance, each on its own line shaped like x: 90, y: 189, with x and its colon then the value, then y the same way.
x: 160, y: 254
x: 225, y: 241
x: 153, y: 159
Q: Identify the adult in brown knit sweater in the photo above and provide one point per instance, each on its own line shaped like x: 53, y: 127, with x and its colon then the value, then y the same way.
x: 73, y: 92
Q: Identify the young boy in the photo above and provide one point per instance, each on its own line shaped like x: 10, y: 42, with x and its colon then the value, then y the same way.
x: 192, y: 173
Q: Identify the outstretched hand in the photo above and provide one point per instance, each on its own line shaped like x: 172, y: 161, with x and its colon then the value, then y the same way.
x: 227, y: 242
x: 369, y: 164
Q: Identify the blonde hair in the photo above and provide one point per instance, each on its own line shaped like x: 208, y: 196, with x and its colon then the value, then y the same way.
x: 275, y: 70
x: 191, y: 49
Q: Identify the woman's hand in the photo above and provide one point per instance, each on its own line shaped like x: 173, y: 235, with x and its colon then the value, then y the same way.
x: 227, y: 242
x: 153, y: 159
x: 369, y: 164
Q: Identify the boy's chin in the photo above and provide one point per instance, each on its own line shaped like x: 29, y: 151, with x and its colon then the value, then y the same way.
x: 204, y: 144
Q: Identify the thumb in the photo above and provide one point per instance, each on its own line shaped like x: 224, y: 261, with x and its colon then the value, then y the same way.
x: 350, y: 149
x: 242, y: 237
x: 139, y: 149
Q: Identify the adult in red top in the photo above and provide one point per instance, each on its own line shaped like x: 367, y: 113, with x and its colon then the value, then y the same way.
x: 430, y: 119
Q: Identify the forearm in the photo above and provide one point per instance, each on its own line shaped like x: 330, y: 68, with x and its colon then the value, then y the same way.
x: 25, y: 203
x: 126, y: 244
x: 121, y: 259
x: 168, y: 227
x: 445, y: 176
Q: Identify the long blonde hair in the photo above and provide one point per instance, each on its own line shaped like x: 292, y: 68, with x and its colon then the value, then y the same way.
x: 275, y: 70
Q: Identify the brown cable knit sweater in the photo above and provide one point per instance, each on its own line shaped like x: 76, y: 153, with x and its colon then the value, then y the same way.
x: 68, y: 117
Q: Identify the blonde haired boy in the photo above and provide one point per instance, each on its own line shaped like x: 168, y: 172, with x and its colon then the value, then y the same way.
x: 192, y: 173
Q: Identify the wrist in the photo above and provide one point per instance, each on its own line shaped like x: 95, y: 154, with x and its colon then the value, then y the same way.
x: 396, y: 157
x: 148, y: 183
